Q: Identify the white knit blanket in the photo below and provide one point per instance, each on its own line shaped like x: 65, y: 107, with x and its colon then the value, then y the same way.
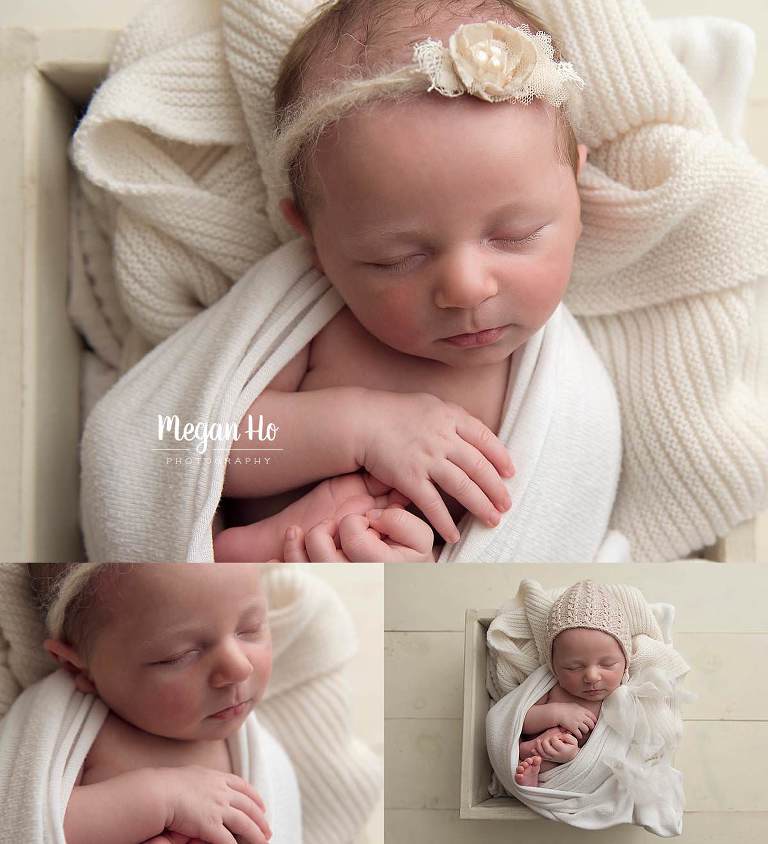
x: 45, y: 739
x: 624, y: 773
x: 213, y: 368
x: 307, y: 705
x: 174, y: 153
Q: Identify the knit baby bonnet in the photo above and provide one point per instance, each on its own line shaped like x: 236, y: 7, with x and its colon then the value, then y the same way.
x: 590, y: 605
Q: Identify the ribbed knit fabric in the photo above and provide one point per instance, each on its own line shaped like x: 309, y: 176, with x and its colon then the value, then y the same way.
x: 664, y: 276
x: 307, y: 701
x: 674, y: 222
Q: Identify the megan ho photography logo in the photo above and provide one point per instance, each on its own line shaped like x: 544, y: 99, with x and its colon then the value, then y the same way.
x: 216, y: 436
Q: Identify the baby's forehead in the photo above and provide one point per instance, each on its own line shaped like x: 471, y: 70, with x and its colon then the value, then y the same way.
x: 160, y: 592
x: 389, y: 158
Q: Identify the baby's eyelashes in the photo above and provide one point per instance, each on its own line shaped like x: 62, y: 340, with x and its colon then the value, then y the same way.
x: 407, y: 262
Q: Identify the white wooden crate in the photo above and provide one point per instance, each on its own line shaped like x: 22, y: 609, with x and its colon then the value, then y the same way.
x: 45, y: 79
x: 721, y: 628
x: 475, y: 767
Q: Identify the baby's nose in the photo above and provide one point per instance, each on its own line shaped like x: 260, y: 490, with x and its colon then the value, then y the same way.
x: 463, y: 283
x: 232, y: 666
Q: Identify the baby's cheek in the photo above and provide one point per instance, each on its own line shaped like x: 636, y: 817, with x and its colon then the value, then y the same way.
x: 543, y: 289
x: 396, y: 317
x: 175, y: 702
x: 262, y: 666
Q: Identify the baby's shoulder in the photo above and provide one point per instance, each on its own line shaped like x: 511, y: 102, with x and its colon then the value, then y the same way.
x: 289, y: 379
x: 558, y: 695
x: 327, y: 343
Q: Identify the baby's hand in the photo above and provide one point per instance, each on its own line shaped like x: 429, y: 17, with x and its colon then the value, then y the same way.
x: 556, y: 746
x: 414, y: 442
x: 212, y: 806
x: 357, y: 537
x: 576, y: 719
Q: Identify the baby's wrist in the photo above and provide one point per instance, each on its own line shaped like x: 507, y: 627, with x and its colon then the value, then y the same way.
x: 359, y: 424
x: 155, y: 785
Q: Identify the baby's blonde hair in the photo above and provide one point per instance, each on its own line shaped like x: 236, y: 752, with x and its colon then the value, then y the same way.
x: 363, y: 23
x: 71, y: 590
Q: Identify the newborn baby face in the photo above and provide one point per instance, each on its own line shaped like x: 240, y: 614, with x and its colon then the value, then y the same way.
x: 588, y: 664
x: 447, y: 225
x: 186, y: 652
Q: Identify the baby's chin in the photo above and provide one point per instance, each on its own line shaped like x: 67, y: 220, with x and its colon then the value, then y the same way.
x: 207, y: 728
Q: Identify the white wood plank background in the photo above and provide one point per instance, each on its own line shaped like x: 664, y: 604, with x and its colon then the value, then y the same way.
x: 721, y: 630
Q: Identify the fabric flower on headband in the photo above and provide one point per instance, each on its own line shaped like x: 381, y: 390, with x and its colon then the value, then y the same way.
x: 497, y: 62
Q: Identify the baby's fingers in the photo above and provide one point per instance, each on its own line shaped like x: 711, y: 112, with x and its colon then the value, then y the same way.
x: 405, y: 529
x: 431, y: 504
x: 456, y: 482
x: 239, y: 784
x: 474, y: 432
x: 241, y: 824
x: 477, y: 467
x: 293, y: 546
x: 252, y: 815
x: 361, y: 544
x: 321, y: 546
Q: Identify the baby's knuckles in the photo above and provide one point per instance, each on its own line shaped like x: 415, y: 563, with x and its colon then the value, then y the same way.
x: 196, y: 798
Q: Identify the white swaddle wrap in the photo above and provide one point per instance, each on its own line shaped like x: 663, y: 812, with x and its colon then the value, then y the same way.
x: 624, y: 773
x: 212, y: 369
x: 47, y: 734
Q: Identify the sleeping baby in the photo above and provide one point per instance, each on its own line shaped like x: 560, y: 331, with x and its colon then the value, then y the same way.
x: 179, y: 655
x: 588, y: 650
x: 448, y: 226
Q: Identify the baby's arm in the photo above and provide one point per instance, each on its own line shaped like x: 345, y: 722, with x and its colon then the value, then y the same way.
x: 315, y: 432
x: 570, y: 716
x: 140, y: 805
x: 329, y: 432
x: 126, y: 809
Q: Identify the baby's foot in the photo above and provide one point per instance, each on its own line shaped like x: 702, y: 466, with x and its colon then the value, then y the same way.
x: 528, y: 771
x: 256, y: 543
x: 331, y: 499
x: 527, y: 748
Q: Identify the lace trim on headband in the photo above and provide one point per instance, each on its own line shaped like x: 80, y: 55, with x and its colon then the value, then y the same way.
x: 496, y: 62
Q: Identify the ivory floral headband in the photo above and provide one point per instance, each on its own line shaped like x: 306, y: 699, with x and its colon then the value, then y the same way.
x: 492, y: 61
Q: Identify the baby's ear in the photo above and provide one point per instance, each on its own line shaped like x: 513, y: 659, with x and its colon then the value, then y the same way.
x: 69, y: 659
x: 583, y: 152
x: 294, y: 218
x: 298, y: 223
